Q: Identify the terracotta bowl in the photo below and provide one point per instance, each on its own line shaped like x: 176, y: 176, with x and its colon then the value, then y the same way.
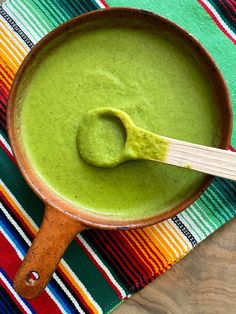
x: 62, y: 221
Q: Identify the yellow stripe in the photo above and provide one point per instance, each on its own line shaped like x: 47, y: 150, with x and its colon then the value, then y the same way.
x: 13, y: 35
x: 162, y: 244
x: 152, y: 247
x: 12, y: 44
x: 60, y: 266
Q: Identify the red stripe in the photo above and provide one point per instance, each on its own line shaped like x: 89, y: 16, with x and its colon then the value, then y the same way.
x: 133, y: 248
x: 7, y: 76
x: 5, y: 88
x: 8, y: 153
x: 217, y: 21
x: 10, y: 262
x: 14, y: 300
x: 3, y: 95
x: 106, y: 252
x: 233, y: 6
x: 106, y: 241
x: 13, y: 213
x: 90, y: 256
x: 159, y: 252
x: 75, y: 291
x: 160, y: 265
x: 227, y: 10
x: 131, y: 256
x: 232, y: 149
x: 104, y: 3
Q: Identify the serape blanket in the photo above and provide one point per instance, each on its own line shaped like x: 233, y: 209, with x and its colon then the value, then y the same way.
x: 102, y: 268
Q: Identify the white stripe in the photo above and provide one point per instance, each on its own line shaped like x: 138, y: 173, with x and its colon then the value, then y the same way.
x: 13, y: 36
x: 8, y: 147
x: 23, y: 9
x: 21, y: 257
x: 11, y: 53
x: 38, y: 18
x: 163, y: 236
x: 208, y: 217
x: 161, y: 243
x: 220, y: 20
x: 18, y: 19
x: 100, y: 263
x: 24, y: 306
x: 55, y: 300
x: 100, y: 4
x: 9, y: 59
x: 179, y: 234
x: 16, y: 51
x: 19, y: 206
x: 67, y: 292
x: 12, y: 221
x: 187, y: 221
x: 18, y: 252
x: 82, y: 287
x: 212, y: 190
x: 23, y: 235
x: 204, y: 221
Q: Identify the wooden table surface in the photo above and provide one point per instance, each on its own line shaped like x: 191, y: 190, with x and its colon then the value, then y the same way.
x: 204, y: 282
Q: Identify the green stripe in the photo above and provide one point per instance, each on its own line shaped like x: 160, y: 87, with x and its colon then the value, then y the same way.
x: 74, y: 256
x: 22, y: 23
x: 205, y: 215
x: 190, y: 15
x: 198, y: 223
x: 31, y: 25
x: 51, y: 15
x: 39, y: 13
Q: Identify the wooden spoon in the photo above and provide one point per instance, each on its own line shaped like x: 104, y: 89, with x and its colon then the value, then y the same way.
x: 142, y: 144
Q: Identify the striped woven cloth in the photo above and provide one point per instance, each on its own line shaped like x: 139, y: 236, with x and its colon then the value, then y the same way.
x: 102, y: 268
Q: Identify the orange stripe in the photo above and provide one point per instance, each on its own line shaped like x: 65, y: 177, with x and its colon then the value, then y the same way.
x: 134, y: 249
x: 153, y: 250
x: 9, y: 61
x: 60, y: 266
x: 13, y: 35
x: 156, y: 266
x: 162, y: 245
x: 165, y: 232
x: 10, y: 54
x: 7, y: 74
x: 19, y: 52
x: 5, y: 81
x: 6, y: 66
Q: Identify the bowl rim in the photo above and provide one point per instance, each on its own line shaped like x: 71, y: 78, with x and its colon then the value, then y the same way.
x: 48, y: 196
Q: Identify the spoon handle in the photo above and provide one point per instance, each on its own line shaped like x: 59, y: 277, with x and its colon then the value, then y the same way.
x: 214, y: 161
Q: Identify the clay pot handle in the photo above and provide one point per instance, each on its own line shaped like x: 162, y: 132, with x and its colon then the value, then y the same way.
x: 55, y: 234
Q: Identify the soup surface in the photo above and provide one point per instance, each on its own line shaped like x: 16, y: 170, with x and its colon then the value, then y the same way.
x: 154, y: 78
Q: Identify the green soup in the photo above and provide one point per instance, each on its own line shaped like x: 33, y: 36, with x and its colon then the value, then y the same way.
x: 155, y: 79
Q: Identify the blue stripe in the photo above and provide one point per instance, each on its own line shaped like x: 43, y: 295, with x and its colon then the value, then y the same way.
x: 23, y: 299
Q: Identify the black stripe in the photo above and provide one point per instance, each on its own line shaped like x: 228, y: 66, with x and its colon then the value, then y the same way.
x: 7, y: 304
x: 226, y: 11
x: 231, y: 187
x: 2, y: 103
x: 15, y: 218
x: 65, y: 298
x: 185, y: 230
x: 89, y: 6
x: 16, y: 28
x: 128, y: 282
